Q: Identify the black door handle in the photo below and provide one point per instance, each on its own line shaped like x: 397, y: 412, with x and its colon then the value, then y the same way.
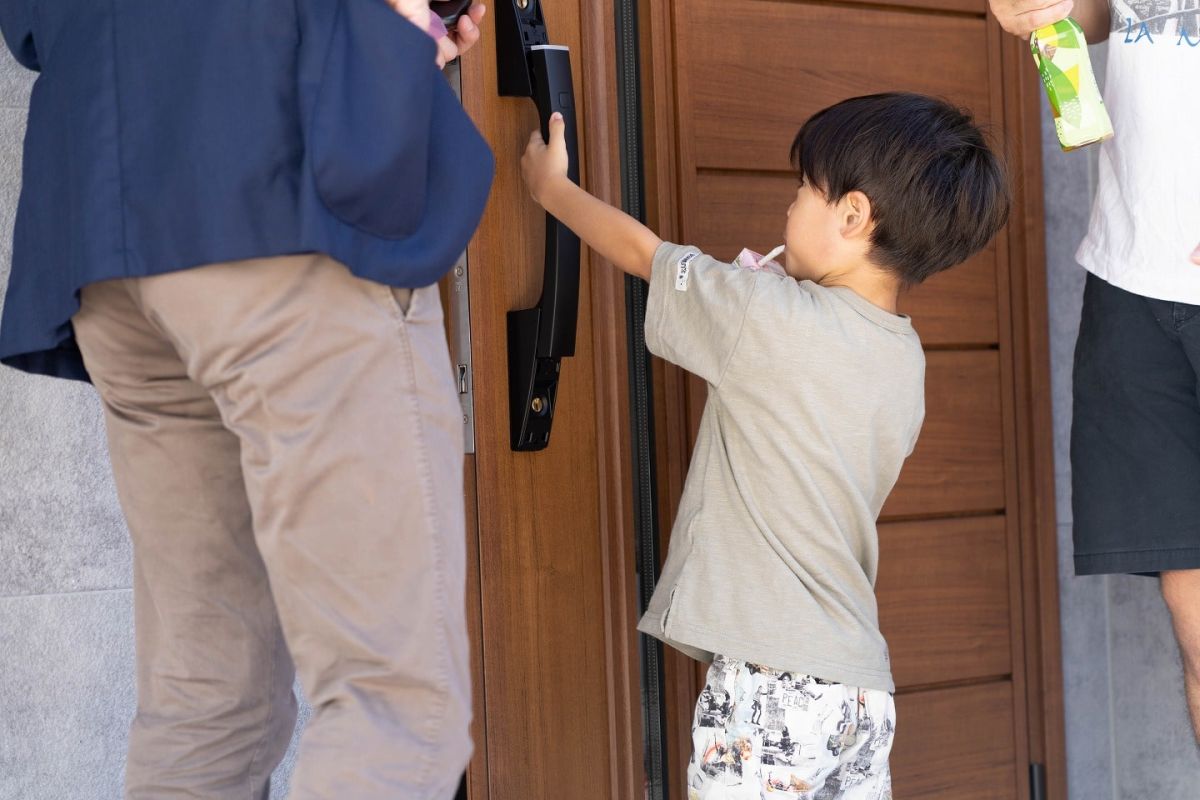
x: 539, y: 337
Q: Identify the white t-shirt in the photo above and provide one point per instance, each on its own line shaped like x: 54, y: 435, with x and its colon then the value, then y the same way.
x: 1146, y: 216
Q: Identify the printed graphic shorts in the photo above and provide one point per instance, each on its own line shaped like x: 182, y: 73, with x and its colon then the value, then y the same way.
x: 763, y: 734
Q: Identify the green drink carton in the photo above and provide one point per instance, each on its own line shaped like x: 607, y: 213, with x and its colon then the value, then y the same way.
x: 1061, y: 54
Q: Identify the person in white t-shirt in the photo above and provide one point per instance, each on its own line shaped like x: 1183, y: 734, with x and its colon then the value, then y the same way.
x: 1135, y: 439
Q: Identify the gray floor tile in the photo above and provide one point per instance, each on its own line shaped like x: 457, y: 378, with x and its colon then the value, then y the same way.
x: 15, y: 81
x: 60, y: 524
x: 1068, y: 207
x: 1156, y: 754
x: 280, y: 780
x: 61, y: 528
x: 1086, y: 683
x: 1062, y: 496
x: 66, y: 689
x: 12, y: 132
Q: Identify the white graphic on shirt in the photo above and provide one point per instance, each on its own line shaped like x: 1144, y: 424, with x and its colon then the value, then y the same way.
x: 1145, y: 22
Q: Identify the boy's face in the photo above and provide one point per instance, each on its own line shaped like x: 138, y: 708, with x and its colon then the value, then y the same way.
x: 812, y: 238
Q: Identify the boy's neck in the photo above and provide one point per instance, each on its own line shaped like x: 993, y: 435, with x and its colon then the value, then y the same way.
x: 877, y: 287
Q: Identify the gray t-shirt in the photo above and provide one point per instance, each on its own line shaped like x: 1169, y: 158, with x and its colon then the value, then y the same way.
x: 815, y: 399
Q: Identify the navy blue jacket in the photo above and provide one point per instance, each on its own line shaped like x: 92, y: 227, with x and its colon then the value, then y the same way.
x: 167, y: 134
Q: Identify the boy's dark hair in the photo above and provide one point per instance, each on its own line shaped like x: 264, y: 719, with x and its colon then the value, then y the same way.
x: 938, y: 193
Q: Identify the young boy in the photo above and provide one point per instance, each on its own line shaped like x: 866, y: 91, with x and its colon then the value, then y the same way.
x: 816, y: 396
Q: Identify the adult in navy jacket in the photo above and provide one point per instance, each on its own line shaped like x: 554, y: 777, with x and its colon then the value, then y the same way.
x: 232, y: 218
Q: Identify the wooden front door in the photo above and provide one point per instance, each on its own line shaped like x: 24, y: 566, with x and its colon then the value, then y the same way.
x: 967, y: 592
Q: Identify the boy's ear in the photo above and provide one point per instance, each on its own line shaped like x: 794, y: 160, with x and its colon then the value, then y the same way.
x: 854, y: 215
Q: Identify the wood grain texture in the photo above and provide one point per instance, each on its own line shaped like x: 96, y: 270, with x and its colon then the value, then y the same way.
x: 736, y: 210
x: 745, y: 88
x: 973, y: 7
x: 944, y: 599
x: 956, y: 744
x: 541, y: 555
x: 959, y: 462
x: 1008, y: 267
x: 477, y: 770
x: 614, y: 456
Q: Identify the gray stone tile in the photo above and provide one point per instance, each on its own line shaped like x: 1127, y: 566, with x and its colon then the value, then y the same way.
x: 62, y: 529
x: 281, y: 778
x: 61, y: 526
x: 15, y: 81
x: 1068, y: 201
x: 1062, y: 496
x: 1099, y: 57
x: 1085, y: 681
x: 1156, y: 755
x: 12, y: 132
x: 67, y: 690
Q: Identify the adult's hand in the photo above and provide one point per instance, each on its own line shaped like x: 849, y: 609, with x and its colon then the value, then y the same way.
x: 1196, y: 255
x: 451, y: 44
x: 1023, y: 17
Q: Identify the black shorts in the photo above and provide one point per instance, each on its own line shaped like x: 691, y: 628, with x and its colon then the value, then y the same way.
x: 1135, y: 435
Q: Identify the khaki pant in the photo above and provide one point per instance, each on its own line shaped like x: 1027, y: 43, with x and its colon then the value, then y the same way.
x: 287, y: 448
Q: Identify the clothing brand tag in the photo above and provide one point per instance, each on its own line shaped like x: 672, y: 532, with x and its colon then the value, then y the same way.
x: 683, y: 272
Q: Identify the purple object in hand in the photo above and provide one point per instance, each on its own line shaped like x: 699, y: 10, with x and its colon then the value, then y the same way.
x: 437, y: 28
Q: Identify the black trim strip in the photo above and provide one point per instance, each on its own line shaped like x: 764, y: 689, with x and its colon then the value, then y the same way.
x: 645, y: 489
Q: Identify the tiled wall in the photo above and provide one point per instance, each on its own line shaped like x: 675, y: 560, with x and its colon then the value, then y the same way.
x: 66, y: 611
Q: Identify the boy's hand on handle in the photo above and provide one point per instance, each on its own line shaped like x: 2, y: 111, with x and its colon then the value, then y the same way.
x: 1023, y: 17
x: 546, y: 162
x: 608, y: 231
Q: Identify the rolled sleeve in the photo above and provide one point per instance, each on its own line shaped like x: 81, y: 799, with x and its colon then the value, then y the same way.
x: 696, y: 309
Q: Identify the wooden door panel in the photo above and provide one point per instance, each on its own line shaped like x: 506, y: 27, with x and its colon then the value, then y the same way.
x: 958, y: 307
x: 956, y: 744
x: 977, y: 7
x: 943, y: 594
x: 963, y: 536
x: 746, y: 87
x: 958, y: 465
x: 736, y: 210
x: 546, y: 671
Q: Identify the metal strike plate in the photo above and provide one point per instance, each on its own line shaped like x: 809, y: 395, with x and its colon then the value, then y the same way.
x: 459, y: 312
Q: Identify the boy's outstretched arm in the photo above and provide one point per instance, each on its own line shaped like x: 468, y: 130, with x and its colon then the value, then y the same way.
x: 613, y: 234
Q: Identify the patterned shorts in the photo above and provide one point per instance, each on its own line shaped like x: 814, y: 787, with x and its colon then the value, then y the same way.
x: 763, y: 734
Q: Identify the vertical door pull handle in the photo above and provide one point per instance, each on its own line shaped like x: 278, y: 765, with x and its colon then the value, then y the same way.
x: 540, y: 337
